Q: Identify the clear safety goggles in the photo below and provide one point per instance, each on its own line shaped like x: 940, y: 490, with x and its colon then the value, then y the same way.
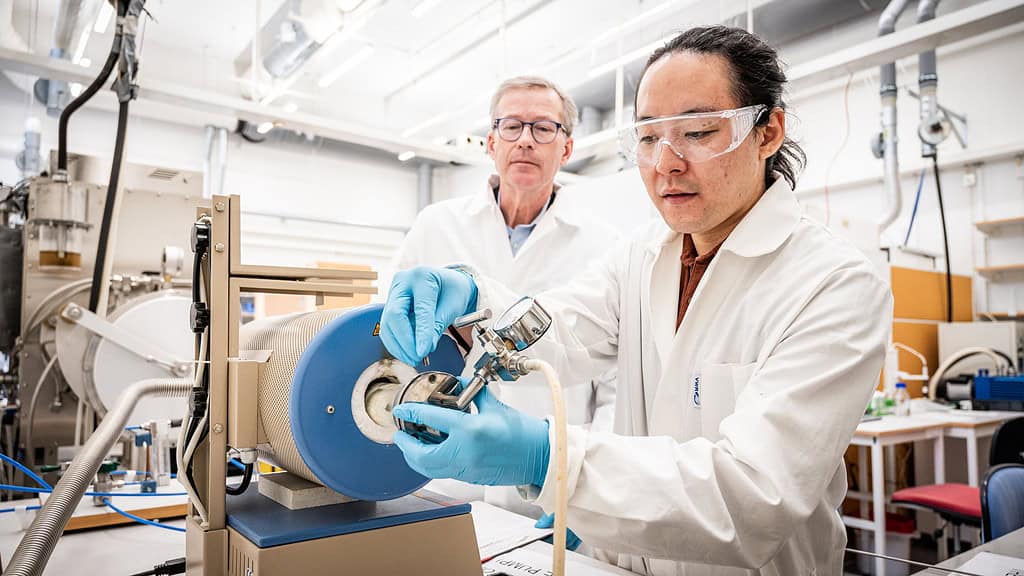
x: 697, y: 137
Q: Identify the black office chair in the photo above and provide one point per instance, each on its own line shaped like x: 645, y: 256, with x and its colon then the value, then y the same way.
x: 1002, y: 501
x: 1008, y: 443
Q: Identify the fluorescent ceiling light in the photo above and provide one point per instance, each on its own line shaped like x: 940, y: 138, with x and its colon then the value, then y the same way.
x: 265, y: 127
x: 331, y: 77
x: 626, y: 58
x: 423, y: 7
x: 407, y: 155
x: 103, y: 18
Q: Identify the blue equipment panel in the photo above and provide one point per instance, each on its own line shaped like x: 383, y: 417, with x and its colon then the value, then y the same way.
x: 998, y: 388
x: 266, y: 523
x: 331, y: 444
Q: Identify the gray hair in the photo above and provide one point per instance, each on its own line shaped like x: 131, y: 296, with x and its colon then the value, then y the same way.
x: 569, y: 112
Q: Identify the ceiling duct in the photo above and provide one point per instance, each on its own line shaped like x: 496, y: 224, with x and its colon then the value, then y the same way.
x: 70, y: 33
x: 290, y: 38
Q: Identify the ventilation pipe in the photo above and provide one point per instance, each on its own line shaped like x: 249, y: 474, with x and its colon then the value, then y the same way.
x: 70, y: 29
x: 215, y: 161
x: 424, y: 185
x: 288, y: 40
x: 29, y: 160
x: 934, y: 128
x: 888, y: 140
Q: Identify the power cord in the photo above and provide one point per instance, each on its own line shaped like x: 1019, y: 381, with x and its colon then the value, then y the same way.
x: 176, y: 566
x: 945, y: 240
x: 244, y: 485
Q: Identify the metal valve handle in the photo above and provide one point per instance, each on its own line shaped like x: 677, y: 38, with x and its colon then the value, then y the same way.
x: 472, y: 318
x: 518, y: 328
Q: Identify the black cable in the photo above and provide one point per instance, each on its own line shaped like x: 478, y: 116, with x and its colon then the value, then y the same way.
x: 108, y: 208
x: 243, y: 485
x: 88, y: 93
x: 200, y: 400
x: 945, y: 240
x: 169, y: 568
x: 197, y: 263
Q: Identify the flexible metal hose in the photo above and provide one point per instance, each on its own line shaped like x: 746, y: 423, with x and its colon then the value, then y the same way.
x: 37, y: 545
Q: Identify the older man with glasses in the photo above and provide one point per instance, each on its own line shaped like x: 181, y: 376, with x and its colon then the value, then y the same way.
x: 522, y: 230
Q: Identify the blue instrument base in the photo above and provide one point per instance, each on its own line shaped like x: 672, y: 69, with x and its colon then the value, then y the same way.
x: 266, y: 523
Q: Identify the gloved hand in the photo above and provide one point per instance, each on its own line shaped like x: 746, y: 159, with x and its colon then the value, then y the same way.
x: 497, y: 446
x: 421, y: 304
x: 572, y: 541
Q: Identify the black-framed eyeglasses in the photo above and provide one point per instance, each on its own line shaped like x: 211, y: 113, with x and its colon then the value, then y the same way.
x: 511, y: 129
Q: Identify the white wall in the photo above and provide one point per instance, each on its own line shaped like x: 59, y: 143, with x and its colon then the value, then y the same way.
x: 979, y: 78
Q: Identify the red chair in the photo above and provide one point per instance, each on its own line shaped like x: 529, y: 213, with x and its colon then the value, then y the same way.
x: 960, y: 504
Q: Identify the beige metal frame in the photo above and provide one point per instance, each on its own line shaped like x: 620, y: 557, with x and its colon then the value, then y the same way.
x: 207, y: 546
x: 441, y: 547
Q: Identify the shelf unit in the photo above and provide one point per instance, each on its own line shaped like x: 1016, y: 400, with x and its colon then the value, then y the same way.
x: 1000, y: 272
x: 1002, y: 316
x: 1002, y: 225
x: 1005, y: 273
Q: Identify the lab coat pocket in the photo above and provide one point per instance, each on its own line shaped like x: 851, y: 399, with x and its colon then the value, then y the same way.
x: 741, y: 374
x: 718, y: 387
x: 714, y: 388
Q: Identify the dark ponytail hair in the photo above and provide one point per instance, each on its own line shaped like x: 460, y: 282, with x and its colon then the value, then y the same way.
x: 757, y: 78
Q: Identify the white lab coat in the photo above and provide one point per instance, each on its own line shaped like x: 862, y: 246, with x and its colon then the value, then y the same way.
x: 730, y: 433
x: 471, y: 230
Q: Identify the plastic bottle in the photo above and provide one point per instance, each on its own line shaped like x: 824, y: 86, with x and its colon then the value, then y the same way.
x: 902, y: 399
x: 877, y: 404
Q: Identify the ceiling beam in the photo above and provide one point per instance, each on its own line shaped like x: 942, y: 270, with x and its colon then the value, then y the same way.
x: 195, y: 99
x: 962, y: 24
x: 953, y: 27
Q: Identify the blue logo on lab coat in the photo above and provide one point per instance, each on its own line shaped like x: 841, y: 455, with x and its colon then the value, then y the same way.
x: 695, y: 391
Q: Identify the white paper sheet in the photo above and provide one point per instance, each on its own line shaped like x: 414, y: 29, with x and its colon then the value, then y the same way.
x: 498, y: 530
x: 532, y: 561
x: 989, y: 564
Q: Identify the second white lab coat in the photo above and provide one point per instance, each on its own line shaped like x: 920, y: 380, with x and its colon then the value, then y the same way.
x: 471, y: 230
x: 730, y: 432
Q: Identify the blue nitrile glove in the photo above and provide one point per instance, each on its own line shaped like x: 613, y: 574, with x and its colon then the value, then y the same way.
x: 572, y: 541
x: 497, y: 446
x: 421, y: 305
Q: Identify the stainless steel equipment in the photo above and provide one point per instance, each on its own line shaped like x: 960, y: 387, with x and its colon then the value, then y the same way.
x: 50, y: 247
x: 518, y: 328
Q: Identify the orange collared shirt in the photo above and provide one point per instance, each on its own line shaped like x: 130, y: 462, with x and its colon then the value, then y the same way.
x: 692, y: 271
